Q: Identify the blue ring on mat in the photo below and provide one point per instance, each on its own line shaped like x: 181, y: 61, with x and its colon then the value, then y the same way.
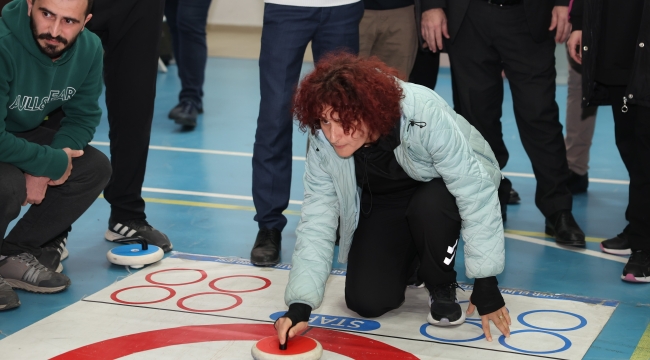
x: 583, y: 321
x: 567, y: 342
x: 423, y: 331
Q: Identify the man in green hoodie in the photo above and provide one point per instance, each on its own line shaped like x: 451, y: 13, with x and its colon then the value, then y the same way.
x: 47, y: 61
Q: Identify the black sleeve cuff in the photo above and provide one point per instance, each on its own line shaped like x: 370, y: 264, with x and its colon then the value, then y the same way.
x: 298, y: 312
x: 562, y: 2
x: 486, y: 295
x: 575, y: 16
x: 433, y: 4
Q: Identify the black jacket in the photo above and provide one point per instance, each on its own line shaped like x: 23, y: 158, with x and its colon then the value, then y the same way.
x: 538, y: 14
x: 587, y: 16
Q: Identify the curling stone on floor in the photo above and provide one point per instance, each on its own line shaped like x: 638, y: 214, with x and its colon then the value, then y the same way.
x: 298, y: 348
x: 134, y: 255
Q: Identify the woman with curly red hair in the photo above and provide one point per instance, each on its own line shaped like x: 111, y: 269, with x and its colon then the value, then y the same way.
x: 405, y: 177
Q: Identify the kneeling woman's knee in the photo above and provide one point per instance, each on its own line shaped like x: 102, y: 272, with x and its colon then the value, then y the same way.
x: 371, y: 308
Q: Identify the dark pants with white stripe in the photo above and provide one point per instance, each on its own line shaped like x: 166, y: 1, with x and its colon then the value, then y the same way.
x: 287, y: 31
x: 62, y: 204
x: 422, y: 222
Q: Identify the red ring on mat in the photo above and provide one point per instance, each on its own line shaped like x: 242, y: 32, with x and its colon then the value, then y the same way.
x: 180, y: 301
x: 267, y: 283
x: 114, y: 297
x: 203, y: 277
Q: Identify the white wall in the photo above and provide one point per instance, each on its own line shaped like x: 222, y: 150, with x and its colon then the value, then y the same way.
x: 236, y: 12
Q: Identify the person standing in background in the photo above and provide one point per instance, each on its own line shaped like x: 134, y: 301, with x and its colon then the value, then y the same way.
x: 616, y: 72
x: 187, y: 21
x: 130, y: 32
x: 389, y: 32
x: 515, y: 36
x: 289, y: 25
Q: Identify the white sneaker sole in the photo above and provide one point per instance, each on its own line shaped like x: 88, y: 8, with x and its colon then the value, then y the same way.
x: 17, y: 284
x: 445, y: 321
x: 64, y: 254
x: 59, y: 268
x: 615, y: 251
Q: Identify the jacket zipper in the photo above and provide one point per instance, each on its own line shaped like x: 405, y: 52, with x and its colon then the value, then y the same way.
x: 624, y: 108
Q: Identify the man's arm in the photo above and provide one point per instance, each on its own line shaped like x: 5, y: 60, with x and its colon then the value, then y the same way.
x: 434, y: 23
x: 31, y: 158
x: 82, y: 111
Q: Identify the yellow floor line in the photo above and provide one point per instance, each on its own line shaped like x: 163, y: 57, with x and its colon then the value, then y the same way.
x: 642, y: 351
x: 210, y: 205
x: 541, y: 234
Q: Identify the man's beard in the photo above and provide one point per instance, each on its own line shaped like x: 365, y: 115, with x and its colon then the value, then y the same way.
x: 47, y: 49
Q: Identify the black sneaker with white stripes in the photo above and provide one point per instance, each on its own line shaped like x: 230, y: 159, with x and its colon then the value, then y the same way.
x: 54, y: 251
x: 137, y: 228
x: 24, y: 272
x: 444, y: 307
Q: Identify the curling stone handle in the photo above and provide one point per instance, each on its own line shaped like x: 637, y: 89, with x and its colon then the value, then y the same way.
x: 286, y: 340
x: 137, y: 239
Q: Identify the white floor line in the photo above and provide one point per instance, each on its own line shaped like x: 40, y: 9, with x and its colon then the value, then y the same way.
x: 593, y: 253
x: 206, y: 194
x: 200, y: 151
x: 302, y: 158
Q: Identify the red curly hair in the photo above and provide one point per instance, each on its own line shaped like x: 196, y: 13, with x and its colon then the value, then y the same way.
x: 357, y: 89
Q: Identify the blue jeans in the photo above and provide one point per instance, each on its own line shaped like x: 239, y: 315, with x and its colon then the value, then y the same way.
x: 287, y: 31
x: 187, y: 21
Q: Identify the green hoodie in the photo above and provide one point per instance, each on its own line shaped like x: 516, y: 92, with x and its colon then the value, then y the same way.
x: 32, y: 86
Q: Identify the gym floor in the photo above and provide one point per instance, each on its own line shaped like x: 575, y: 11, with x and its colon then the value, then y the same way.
x: 198, y: 191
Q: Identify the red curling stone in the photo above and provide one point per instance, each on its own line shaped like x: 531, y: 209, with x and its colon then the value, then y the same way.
x: 298, y: 348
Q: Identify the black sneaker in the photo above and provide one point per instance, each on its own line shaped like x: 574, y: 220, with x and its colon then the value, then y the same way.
x: 53, y: 252
x: 266, y: 250
x: 137, y: 228
x: 24, y: 272
x: 185, y: 114
x: 8, y: 297
x: 173, y: 113
x: 578, y: 184
x: 618, y: 245
x: 637, y: 268
x: 445, y: 310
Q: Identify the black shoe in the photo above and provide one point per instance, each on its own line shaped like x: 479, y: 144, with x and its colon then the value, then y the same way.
x: 185, y: 114
x: 514, y: 197
x: 8, y: 297
x: 618, y: 245
x: 53, y: 252
x: 445, y: 310
x: 637, y: 268
x: 564, y: 228
x: 266, y: 251
x: 137, y: 228
x: 173, y: 113
x: 578, y: 184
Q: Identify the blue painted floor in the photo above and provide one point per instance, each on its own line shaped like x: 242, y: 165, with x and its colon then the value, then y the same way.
x: 217, y: 225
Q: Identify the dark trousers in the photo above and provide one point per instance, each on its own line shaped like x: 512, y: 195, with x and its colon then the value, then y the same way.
x: 187, y: 21
x: 286, y: 32
x: 130, y: 32
x: 632, y: 131
x: 425, y: 69
x: 423, y: 223
x: 492, y: 38
x: 62, y: 205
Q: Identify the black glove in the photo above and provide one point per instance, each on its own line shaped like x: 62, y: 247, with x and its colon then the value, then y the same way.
x: 298, y: 312
x: 486, y: 295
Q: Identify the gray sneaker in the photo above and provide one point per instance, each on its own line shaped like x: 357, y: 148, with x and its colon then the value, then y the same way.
x: 25, y: 272
x: 8, y: 297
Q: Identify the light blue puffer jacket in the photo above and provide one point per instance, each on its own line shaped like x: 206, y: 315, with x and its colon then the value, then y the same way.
x: 435, y: 142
